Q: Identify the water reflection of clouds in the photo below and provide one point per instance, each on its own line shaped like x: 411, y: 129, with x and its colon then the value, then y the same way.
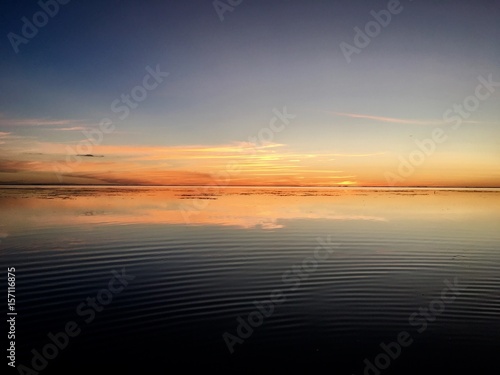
x: 269, y: 209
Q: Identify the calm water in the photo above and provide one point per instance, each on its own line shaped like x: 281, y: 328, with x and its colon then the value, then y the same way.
x: 348, y: 270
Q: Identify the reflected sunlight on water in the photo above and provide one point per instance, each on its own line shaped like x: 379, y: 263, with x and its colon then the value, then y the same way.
x: 201, y: 263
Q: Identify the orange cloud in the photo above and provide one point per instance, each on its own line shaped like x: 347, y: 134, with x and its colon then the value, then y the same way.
x: 27, y: 160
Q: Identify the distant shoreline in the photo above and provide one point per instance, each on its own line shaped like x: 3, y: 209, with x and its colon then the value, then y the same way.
x: 247, y: 186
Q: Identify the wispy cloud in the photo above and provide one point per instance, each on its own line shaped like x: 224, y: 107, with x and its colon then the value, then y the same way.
x: 72, y: 128
x: 3, y: 135
x: 12, y: 122
x: 394, y: 120
x: 358, y: 155
x: 388, y: 119
x: 15, y: 166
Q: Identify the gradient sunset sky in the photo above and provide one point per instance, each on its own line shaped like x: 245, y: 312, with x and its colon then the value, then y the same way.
x: 265, y: 96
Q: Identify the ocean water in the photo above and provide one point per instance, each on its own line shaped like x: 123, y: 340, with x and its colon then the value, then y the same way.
x: 253, y: 280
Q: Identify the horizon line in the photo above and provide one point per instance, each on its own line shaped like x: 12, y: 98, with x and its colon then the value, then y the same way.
x: 260, y: 186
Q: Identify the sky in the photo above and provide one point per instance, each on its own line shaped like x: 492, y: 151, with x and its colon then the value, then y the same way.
x: 252, y: 92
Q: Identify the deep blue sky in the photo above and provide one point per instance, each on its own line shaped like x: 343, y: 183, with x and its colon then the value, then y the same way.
x: 227, y: 77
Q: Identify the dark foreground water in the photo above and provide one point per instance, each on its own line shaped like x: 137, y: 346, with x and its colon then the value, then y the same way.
x: 253, y: 280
